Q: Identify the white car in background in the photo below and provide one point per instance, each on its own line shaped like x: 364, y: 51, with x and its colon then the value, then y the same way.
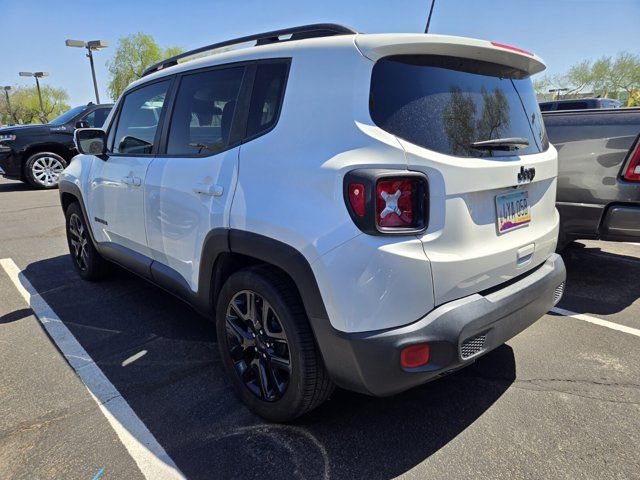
x: 367, y: 211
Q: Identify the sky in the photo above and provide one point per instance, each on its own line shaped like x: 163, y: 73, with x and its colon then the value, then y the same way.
x: 32, y: 32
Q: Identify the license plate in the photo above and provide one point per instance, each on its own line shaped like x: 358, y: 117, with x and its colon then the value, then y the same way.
x: 512, y: 211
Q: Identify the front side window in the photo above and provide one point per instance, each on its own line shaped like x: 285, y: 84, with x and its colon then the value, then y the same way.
x: 138, y: 120
x: 96, y: 118
x: 203, y: 112
x: 448, y: 104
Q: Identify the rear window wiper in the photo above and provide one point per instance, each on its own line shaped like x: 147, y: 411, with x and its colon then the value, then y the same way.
x: 514, y: 143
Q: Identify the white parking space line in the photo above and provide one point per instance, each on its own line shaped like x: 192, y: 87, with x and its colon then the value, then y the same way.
x: 151, y: 458
x: 597, y: 321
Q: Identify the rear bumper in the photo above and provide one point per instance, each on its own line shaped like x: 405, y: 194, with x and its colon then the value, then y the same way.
x: 369, y: 362
x: 614, y: 222
x: 622, y: 222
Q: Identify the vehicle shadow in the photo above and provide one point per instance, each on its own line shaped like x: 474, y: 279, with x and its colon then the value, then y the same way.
x: 598, y: 282
x: 14, y: 186
x: 178, y: 389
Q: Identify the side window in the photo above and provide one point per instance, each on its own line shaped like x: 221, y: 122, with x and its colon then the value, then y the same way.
x: 97, y: 117
x: 203, y: 112
x: 138, y: 120
x: 266, y: 98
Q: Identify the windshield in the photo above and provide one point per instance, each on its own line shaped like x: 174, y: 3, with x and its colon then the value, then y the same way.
x: 447, y: 104
x: 68, y: 115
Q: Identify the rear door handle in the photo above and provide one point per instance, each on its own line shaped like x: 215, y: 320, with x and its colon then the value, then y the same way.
x: 209, y: 190
x: 132, y: 181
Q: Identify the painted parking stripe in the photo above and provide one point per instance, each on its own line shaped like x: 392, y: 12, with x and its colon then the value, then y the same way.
x: 152, y: 460
x: 597, y: 321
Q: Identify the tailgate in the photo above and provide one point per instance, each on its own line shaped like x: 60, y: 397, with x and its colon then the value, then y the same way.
x: 466, y: 250
x: 475, y: 129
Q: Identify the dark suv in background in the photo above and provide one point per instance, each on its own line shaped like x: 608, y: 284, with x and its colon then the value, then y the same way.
x: 36, y: 154
x: 579, y: 104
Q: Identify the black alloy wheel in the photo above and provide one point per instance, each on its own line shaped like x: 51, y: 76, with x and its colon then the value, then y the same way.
x: 78, y: 241
x: 86, y: 260
x: 258, y: 346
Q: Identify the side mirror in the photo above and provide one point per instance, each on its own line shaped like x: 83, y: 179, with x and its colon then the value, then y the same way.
x: 91, y: 141
x: 82, y: 124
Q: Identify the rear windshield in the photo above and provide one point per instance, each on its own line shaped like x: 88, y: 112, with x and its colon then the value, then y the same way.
x: 446, y: 104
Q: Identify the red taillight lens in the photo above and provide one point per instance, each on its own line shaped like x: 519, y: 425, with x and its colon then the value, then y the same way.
x: 511, y: 47
x: 414, y: 356
x: 356, y: 198
x: 396, y: 203
x: 633, y: 170
x: 387, y: 202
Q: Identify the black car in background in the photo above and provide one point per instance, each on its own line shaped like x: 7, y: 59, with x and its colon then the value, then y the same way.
x: 37, y: 154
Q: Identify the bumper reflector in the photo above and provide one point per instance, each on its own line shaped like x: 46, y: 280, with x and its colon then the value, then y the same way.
x: 414, y: 356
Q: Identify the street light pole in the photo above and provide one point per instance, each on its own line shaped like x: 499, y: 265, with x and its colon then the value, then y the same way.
x: 93, y: 74
x: 37, y: 75
x: 558, y: 91
x: 39, y: 95
x: 93, y: 45
x: 11, y: 112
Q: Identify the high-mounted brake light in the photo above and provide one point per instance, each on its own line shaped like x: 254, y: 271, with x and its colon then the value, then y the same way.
x: 512, y: 48
x: 633, y: 170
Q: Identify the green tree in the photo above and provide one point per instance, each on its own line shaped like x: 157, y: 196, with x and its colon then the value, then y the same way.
x: 625, y: 76
x: 541, y: 85
x: 605, y: 76
x: 601, y: 74
x: 133, y: 55
x: 579, y: 76
x: 25, y: 105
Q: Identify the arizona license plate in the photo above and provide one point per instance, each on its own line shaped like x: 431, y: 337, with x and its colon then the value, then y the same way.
x: 512, y: 211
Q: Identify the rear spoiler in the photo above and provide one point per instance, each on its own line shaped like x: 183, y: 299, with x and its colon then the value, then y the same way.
x: 376, y: 46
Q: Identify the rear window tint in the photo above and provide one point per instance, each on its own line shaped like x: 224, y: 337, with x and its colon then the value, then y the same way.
x: 446, y: 103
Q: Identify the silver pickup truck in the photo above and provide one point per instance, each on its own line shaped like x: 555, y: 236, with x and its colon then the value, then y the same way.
x: 598, y: 173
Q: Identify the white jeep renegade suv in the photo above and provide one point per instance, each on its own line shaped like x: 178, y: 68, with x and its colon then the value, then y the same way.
x: 367, y: 211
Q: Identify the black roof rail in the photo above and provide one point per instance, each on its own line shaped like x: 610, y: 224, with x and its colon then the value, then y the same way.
x: 296, y: 33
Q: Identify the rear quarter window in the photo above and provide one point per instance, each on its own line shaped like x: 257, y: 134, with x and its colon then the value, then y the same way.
x: 447, y: 103
x: 267, y: 96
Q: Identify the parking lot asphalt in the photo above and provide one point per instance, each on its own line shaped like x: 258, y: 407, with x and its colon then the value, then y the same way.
x: 560, y: 400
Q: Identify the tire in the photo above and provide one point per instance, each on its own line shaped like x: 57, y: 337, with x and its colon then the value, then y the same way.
x: 86, y: 260
x: 42, y: 170
x: 285, y: 392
